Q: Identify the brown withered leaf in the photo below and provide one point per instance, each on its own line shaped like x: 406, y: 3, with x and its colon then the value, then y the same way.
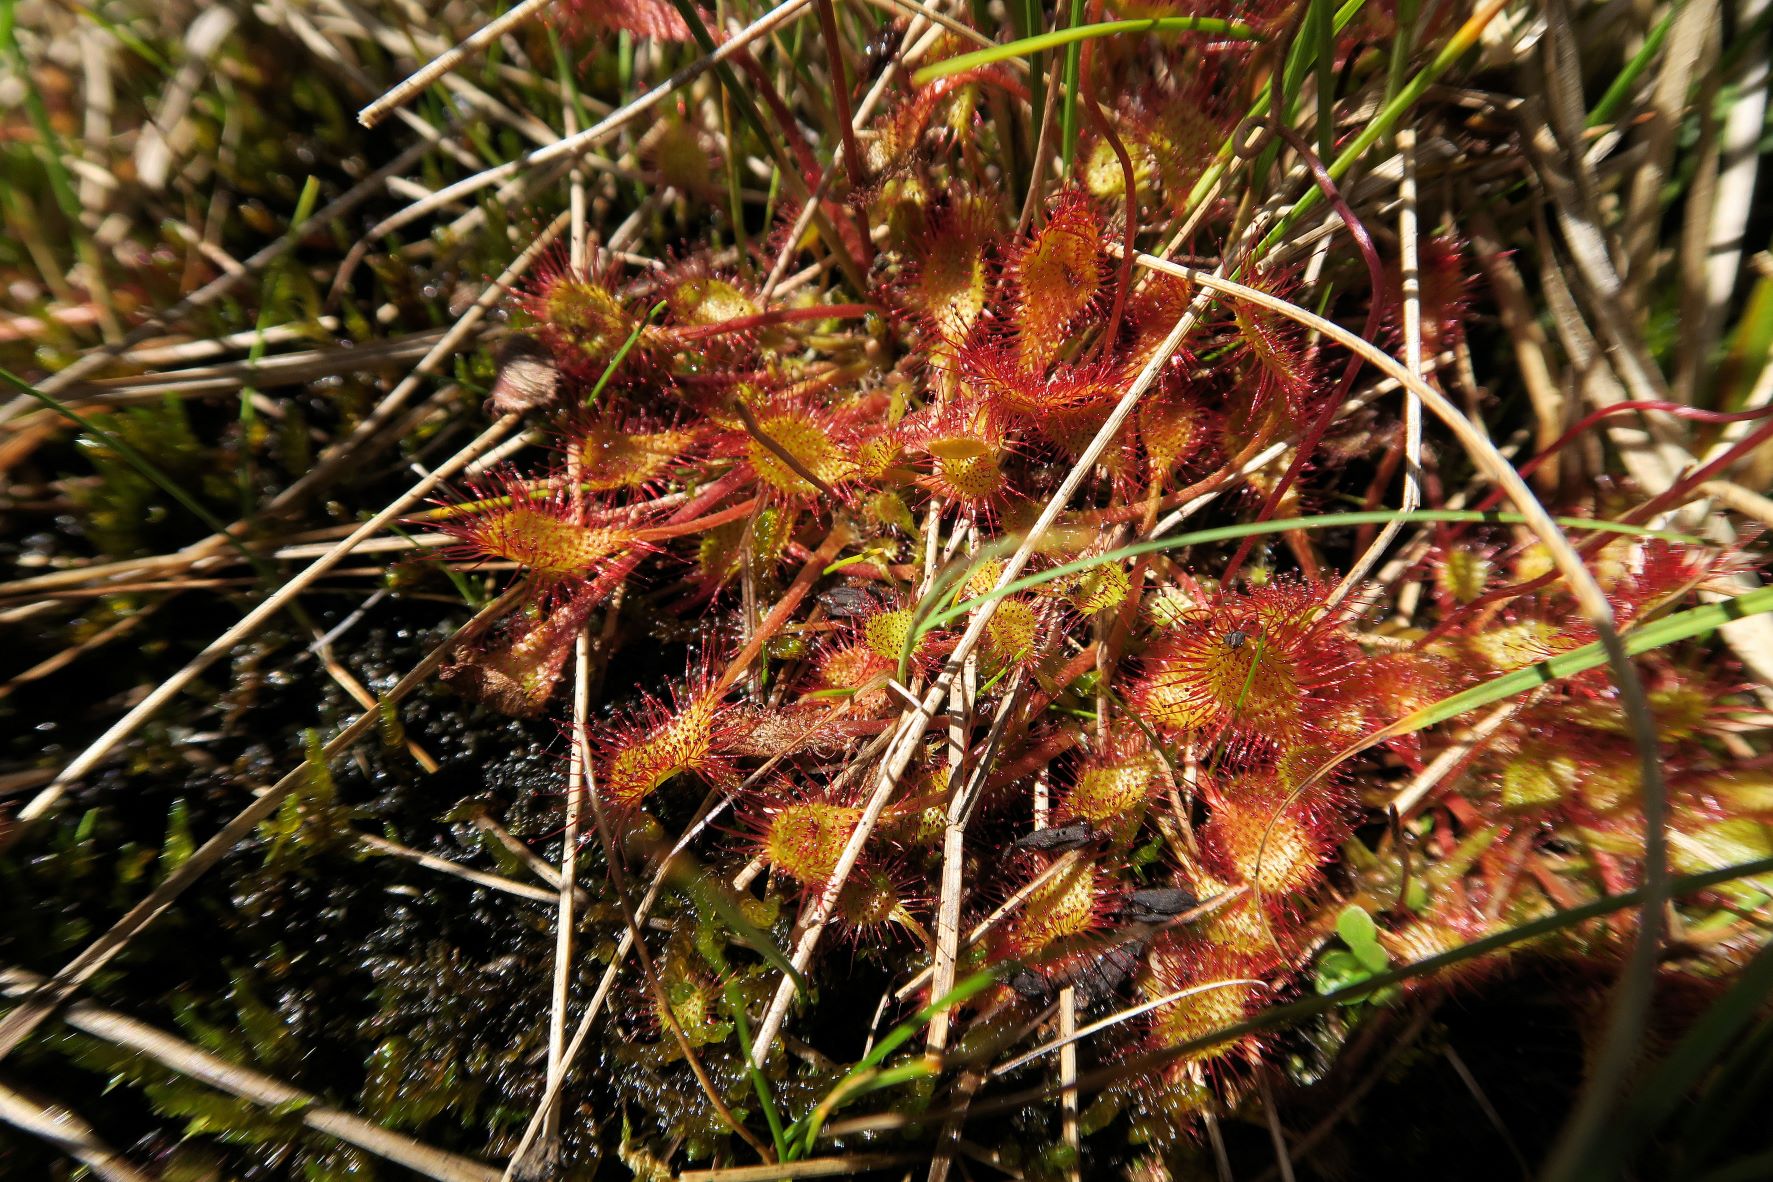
x: 528, y: 378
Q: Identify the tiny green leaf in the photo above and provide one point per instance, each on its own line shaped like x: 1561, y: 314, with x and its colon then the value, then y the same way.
x: 1355, y: 926
x: 1372, y: 956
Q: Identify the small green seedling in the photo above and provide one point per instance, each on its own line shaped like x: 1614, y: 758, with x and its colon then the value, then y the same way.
x: 1361, y: 958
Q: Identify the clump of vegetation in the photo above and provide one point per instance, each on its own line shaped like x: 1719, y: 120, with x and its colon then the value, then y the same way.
x: 1027, y: 590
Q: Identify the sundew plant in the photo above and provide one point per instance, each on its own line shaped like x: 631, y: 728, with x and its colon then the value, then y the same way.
x: 1002, y: 589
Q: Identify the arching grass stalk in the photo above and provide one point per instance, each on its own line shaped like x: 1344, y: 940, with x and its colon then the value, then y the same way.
x: 1631, y: 1005
x: 1311, y: 1007
x: 930, y: 617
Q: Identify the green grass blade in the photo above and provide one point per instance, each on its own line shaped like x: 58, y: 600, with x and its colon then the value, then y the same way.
x: 736, y: 1002
x: 460, y: 581
x: 1681, y: 626
x: 899, y: 1035
x: 709, y: 895
x: 1027, y: 15
x: 740, y: 95
x: 1300, y: 58
x: 49, y: 144
x: 1325, y: 34
x: 1228, y: 533
x: 1068, y: 101
x: 1401, y: 44
x: 1634, y: 69
x: 1669, y: 1084
x: 249, y: 417
x: 622, y: 353
x: 125, y: 37
x: 806, y: 1129
x: 1040, y: 43
x: 1735, y: 1088
x: 1387, y: 118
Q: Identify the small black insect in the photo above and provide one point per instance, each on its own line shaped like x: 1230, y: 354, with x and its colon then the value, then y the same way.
x: 1235, y: 638
x: 1155, y: 903
x: 1098, y: 980
x: 882, y: 48
x: 1057, y: 838
x: 1030, y: 985
x: 1095, y: 977
x: 849, y: 602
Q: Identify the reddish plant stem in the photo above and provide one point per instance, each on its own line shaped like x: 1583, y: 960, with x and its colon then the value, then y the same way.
x: 1055, y: 744
x: 689, y: 511
x: 1136, y: 509
x: 1671, y: 408
x: 1389, y: 459
x: 840, y: 94
x: 856, y: 246
x: 785, y: 608
x: 1124, y: 275
x: 1376, y: 313
x: 1686, y: 484
x: 803, y: 151
x: 1501, y: 886
x: 700, y: 524
x: 1073, y: 669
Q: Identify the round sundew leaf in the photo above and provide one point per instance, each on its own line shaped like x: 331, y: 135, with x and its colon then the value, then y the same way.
x: 955, y: 450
